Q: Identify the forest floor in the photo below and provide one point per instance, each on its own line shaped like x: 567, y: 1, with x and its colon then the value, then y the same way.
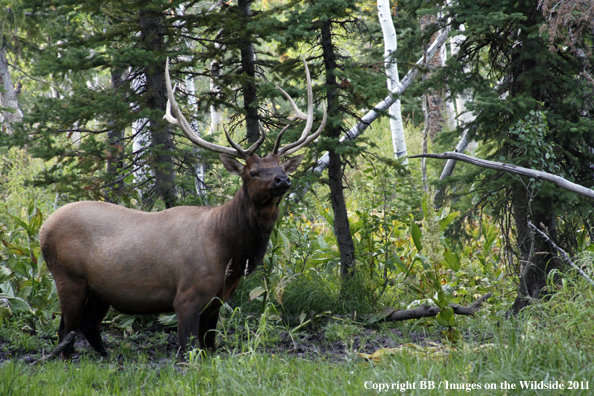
x: 158, y: 344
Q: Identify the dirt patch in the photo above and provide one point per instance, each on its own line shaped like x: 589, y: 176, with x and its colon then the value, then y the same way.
x: 158, y: 344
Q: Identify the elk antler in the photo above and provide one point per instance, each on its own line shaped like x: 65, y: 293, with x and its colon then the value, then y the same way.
x: 180, y: 121
x: 305, y: 138
x: 235, y: 150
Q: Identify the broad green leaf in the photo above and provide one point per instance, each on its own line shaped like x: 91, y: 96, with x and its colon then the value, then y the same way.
x: 446, y: 317
x: 17, y: 304
x: 424, y: 260
x: 5, y: 312
x: 400, y: 263
x: 415, y: 231
x: 443, y: 223
x: 452, y: 259
x: 168, y: 320
x: 5, y: 274
x: 35, y: 222
x: 124, y: 321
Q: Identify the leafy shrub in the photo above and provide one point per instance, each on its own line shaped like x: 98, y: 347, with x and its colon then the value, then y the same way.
x: 25, y: 282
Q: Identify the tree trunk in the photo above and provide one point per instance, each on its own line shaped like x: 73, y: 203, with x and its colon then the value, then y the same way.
x: 153, y: 38
x: 216, y: 114
x: 342, y: 230
x: 8, y: 97
x: 390, y: 45
x: 115, y: 155
x: 537, y: 257
x: 248, y: 60
x: 385, y: 104
x: 435, y: 103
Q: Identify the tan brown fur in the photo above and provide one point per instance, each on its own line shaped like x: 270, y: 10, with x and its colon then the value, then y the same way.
x: 184, y: 259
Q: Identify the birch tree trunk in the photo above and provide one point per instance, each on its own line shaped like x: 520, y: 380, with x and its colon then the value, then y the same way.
x: 385, y: 104
x: 216, y: 114
x: 8, y: 99
x: 390, y: 45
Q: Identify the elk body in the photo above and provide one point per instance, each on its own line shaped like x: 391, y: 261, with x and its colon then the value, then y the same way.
x: 184, y: 259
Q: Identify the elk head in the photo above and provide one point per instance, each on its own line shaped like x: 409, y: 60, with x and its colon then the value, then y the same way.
x: 264, y: 177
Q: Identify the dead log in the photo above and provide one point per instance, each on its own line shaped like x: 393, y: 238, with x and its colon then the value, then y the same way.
x: 394, y: 315
x: 57, y: 350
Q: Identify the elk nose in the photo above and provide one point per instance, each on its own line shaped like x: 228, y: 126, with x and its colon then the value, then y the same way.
x: 281, y: 181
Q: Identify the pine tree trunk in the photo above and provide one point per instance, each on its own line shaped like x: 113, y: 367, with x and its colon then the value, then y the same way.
x: 153, y: 38
x: 342, y: 230
x: 435, y: 103
x: 250, y: 93
x: 537, y: 257
x: 115, y: 155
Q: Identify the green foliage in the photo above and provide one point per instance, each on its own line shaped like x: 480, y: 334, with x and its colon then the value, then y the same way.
x: 25, y: 281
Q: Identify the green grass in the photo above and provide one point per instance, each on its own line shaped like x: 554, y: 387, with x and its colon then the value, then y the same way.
x: 514, y: 360
x: 541, y: 346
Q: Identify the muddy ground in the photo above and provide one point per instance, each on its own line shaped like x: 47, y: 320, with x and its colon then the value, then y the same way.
x: 158, y: 344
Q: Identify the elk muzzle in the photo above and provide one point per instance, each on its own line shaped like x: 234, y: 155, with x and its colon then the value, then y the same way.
x: 280, y: 184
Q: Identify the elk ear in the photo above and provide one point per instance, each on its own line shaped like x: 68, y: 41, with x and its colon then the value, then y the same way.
x: 291, y: 164
x: 231, y: 164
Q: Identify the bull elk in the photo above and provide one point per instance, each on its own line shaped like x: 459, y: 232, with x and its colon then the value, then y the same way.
x: 185, y: 259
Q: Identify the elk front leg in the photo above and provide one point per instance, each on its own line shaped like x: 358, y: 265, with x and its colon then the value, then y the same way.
x: 208, y: 325
x: 188, y: 324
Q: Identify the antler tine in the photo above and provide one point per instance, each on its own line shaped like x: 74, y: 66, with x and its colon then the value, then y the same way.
x: 187, y: 129
x: 278, y: 140
x: 252, y: 149
x: 290, y: 149
x: 249, y: 151
x: 236, y: 146
x: 303, y: 139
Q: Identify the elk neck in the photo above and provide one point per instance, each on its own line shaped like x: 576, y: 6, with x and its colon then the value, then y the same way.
x: 246, y: 227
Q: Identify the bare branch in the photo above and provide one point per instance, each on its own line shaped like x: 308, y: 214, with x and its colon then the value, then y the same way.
x: 563, y: 253
x: 556, y: 180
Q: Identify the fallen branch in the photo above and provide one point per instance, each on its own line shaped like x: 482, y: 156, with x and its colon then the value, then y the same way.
x: 57, y: 350
x: 556, y: 180
x: 563, y: 253
x: 394, y: 315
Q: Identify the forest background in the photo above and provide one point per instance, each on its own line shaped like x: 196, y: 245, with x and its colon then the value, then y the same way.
x: 365, y: 231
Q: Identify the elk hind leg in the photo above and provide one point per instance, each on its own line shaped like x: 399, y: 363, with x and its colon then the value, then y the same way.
x: 94, y: 311
x: 72, y: 297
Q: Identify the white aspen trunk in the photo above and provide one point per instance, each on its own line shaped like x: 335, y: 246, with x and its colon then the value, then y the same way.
x: 451, y: 119
x: 199, y: 180
x: 8, y: 98
x: 390, y: 45
x: 385, y: 104
x: 216, y: 115
x: 141, y: 141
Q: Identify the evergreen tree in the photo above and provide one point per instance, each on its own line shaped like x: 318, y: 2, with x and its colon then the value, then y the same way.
x: 532, y: 108
x: 349, y: 84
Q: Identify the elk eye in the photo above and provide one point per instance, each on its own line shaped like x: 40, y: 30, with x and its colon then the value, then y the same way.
x: 253, y: 174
